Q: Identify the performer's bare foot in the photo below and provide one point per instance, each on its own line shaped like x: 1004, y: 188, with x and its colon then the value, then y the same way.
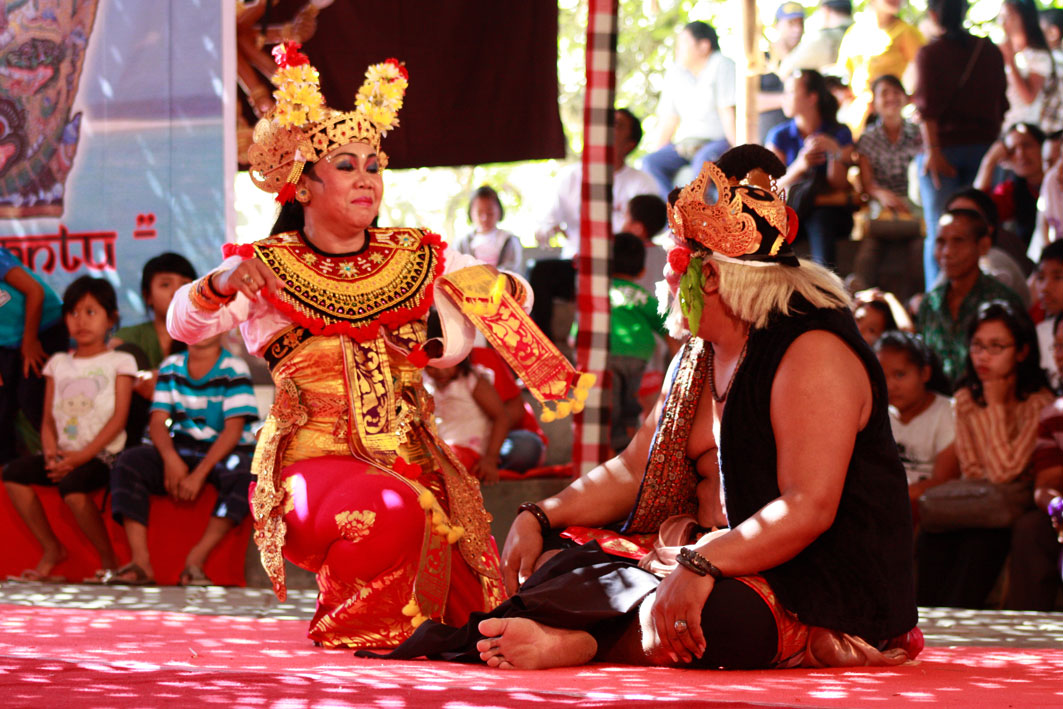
x: 49, y: 560
x: 522, y: 644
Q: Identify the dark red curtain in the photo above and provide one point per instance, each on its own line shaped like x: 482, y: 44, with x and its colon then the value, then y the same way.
x: 483, y: 74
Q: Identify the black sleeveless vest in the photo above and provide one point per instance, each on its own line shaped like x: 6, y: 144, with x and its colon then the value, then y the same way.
x: 857, y: 576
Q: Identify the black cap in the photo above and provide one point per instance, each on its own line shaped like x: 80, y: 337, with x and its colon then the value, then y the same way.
x: 845, y: 6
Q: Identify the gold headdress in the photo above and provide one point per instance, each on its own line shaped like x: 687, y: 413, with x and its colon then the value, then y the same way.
x: 729, y: 226
x: 302, y: 129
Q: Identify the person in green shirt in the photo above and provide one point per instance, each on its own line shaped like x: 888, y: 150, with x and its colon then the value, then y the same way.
x: 948, y: 310
x: 634, y: 326
x: 149, y: 342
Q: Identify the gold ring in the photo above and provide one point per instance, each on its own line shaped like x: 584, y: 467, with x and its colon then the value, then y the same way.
x: 248, y: 279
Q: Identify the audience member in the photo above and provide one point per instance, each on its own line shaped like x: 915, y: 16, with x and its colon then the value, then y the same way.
x: 85, y: 407
x: 696, y: 112
x: 947, y: 311
x: 1005, y: 260
x: 149, y: 342
x: 960, y: 94
x: 878, y: 43
x: 469, y: 416
x: 1049, y: 282
x: 873, y: 318
x: 887, y: 147
x: 647, y: 216
x: 818, y: 48
x: 556, y: 278
x: 1049, y: 210
x: 1052, y: 26
x: 920, y: 410
x: 816, y: 150
x: 200, y: 433
x: 31, y: 330
x: 998, y: 407
x: 1027, y: 60
x: 634, y: 324
x: 1034, y: 567
x: 494, y: 246
x: 563, y: 212
x: 1018, y: 152
x: 789, y: 26
x: 525, y: 444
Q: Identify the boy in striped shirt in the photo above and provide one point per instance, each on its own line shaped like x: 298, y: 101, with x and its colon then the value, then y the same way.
x: 200, y: 428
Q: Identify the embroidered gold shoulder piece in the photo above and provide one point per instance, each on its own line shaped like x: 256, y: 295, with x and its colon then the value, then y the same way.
x: 389, y: 282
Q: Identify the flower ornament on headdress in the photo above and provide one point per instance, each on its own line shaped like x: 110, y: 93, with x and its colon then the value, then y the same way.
x: 302, y: 129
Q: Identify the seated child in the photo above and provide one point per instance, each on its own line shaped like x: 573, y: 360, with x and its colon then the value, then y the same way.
x: 31, y: 331
x: 86, y: 402
x: 634, y: 325
x: 525, y: 444
x: 920, y: 410
x: 205, y: 394
x: 469, y: 416
x: 149, y: 341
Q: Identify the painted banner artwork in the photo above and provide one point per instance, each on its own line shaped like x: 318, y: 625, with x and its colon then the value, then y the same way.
x: 112, y: 137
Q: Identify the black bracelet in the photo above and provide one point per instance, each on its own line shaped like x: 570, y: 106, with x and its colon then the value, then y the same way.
x: 540, y: 516
x: 696, y: 562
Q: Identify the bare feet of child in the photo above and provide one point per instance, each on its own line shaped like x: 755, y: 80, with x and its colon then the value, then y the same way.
x: 522, y: 644
x: 42, y: 573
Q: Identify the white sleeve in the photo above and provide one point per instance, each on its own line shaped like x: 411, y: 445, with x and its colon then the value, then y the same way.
x: 189, y: 324
x: 124, y: 364
x: 725, y: 83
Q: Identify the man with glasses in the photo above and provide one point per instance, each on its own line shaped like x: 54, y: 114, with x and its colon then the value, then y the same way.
x: 947, y: 311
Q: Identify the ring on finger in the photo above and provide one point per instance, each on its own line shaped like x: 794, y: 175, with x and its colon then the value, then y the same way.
x: 680, y: 626
x: 246, y: 278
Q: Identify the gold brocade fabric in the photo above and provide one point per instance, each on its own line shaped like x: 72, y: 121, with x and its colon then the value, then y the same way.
x: 364, y: 400
x: 669, y: 486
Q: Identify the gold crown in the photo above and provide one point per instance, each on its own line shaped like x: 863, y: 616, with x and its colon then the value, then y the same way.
x: 302, y: 129
x: 727, y: 227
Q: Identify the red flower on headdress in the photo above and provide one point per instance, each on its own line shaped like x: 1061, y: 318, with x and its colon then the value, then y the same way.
x: 399, y: 65
x: 287, y: 54
x: 410, y: 471
x: 791, y: 224
x: 679, y: 259
x: 418, y: 357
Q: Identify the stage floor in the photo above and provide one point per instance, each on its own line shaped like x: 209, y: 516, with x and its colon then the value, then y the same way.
x: 91, y: 646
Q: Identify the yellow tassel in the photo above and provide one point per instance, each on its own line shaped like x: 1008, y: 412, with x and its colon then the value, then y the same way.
x: 418, y: 619
x: 411, y: 609
x: 437, y: 518
x: 456, y: 533
x: 547, y: 415
x: 564, y: 408
x: 586, y: 381
x: 426, y: 499
x: 442, y: 530
x: 577, y: 406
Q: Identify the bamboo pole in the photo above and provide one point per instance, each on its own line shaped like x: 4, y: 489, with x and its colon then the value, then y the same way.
x: 749, y: 69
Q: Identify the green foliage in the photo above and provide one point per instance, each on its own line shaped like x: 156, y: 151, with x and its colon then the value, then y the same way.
x: 691, y: 297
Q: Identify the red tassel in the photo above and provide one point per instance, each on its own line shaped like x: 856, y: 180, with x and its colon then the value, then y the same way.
x: 287, y: 193
x: 417, y: 357
x: 410, y: 471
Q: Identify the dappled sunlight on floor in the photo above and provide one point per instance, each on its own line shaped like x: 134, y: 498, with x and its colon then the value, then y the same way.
x: 114, y: 647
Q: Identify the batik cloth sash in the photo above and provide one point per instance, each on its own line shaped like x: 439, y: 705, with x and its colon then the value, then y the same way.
x: 669, y: 486
x: 482, y: 296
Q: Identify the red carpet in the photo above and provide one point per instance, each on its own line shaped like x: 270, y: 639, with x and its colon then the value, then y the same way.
x: 116, y: 658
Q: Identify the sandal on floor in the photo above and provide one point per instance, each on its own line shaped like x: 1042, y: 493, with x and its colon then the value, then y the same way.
x: 97, y: 577
x: 194, y: 576
x: 34, y: 576
x: 116, y: 576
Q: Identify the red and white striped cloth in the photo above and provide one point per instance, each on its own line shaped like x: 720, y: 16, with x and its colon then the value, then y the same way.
x: 590, y: 444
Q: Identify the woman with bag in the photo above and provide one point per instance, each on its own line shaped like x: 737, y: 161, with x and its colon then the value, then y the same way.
x: 966, y: 523
x: 960, y: 94
x: 817, y: 151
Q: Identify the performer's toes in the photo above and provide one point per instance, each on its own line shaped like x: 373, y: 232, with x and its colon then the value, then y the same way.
x: 492, y: 627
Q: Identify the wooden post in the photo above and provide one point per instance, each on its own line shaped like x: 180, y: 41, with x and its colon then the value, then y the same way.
x: 749, y: 67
